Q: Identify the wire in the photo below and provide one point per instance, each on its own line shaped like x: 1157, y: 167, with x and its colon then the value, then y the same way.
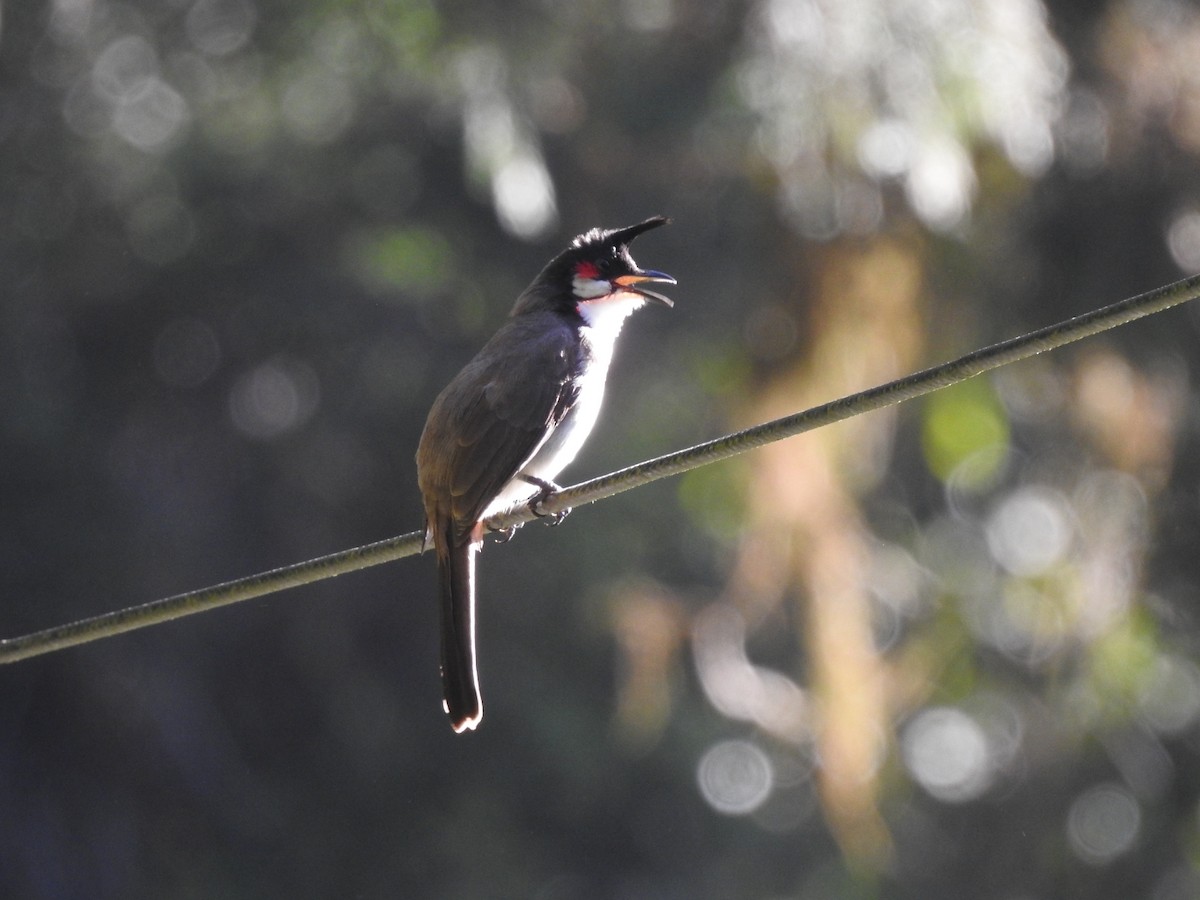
x: 915, y: 385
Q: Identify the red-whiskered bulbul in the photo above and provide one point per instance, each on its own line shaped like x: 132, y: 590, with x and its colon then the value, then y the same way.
x: 508, y: 423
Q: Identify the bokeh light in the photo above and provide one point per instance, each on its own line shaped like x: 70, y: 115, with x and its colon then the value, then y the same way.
x: 1170, y: 699
x: 735, y: 777
x: 947, y: 753
x: 274, y: 398
x: 220, y: 27
x: 1030, y: 531
x: 1103, y: 823
x: 1183, y: 240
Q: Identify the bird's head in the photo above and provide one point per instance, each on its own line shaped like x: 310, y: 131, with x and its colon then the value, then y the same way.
x: 596, y: 269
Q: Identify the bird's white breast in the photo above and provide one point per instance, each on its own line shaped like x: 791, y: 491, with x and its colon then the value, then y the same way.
x: 603, y: 319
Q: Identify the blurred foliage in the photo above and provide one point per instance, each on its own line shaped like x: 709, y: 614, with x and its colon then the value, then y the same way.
x: 941, y: 651
x: 965, y: 433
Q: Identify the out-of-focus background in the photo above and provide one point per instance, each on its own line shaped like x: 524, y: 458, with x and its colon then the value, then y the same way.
x: 947, y: 650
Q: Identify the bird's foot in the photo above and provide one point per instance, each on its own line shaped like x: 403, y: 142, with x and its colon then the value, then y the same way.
x: 504, y: 535
x: 546, y: 490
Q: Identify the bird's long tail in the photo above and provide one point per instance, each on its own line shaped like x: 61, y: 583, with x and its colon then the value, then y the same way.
x: 460, y: 679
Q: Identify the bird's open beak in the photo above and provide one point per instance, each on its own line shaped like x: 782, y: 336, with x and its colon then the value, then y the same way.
x: 634, y: 281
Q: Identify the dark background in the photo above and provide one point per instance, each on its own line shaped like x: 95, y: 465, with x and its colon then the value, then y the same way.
x: 944, y: 651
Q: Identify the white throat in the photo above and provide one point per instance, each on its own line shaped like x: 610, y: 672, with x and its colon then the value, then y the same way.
x: 605, y: 316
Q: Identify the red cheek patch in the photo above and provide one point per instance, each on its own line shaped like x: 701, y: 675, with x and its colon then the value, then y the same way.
x: 587, y: 270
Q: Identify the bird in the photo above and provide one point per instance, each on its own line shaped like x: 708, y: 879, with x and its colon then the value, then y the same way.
x: 504, y: 427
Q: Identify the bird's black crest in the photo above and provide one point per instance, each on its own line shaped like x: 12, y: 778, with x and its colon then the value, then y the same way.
x: 616, y: 237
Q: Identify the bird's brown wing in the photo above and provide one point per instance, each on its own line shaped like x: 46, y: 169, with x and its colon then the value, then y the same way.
x: 496, y: 414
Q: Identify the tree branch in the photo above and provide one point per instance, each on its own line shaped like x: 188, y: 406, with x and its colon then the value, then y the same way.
x: 924, y: 382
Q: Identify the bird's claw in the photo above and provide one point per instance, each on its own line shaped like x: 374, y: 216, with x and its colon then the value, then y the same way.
x: 504, y: 535
x: 546, y: 490
x: 552, y: 519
